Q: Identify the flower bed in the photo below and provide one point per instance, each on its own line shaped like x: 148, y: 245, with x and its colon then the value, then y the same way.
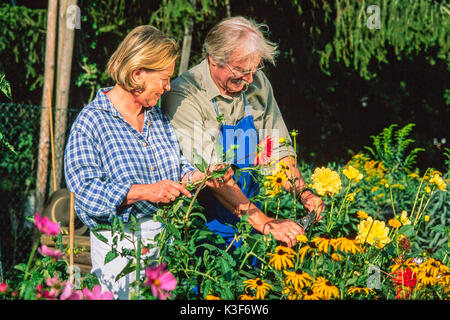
x: 384, y: 235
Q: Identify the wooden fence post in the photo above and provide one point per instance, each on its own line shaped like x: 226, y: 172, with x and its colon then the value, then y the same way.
x: 49, y: 77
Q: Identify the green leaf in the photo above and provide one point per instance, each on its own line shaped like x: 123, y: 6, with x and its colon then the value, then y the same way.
x: 99, y: 236
x: 110, y: 256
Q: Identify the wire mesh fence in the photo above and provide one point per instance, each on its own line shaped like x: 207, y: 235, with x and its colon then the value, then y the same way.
x: 19, y: 149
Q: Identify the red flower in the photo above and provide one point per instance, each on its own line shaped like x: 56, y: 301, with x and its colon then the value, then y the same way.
x: 405, y: 280
x: 264, y: 151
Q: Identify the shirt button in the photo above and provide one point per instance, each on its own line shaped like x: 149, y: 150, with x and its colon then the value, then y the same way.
x: 144, y: 144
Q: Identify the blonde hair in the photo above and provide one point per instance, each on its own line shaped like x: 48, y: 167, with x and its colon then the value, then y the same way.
x: 238, y: 32
x: 145, y: 47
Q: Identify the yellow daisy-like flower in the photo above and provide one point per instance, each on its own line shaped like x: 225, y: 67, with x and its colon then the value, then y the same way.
x: 434, y: 267
x: 305, y: 250
x: 359, y: 289
x: 310, y: 295
x: 324, y: 289
x: 302, y: 238
x: 337, y: 257
x: 347, y: 245
x: 298, y: 279
x: 247, y: 296
x: 352, y: 174
x: 322, y: 243
x: 291, y: 293
x: 282, y: 258
x: 394, y: 223
x: 425, y: 279
x: 404, y: 218
x: 438, y: 181
x: 403, y: 264
x: 373, y: 232
x: 362, y: 215
x: 326, y: 181
x: 259, y: 285
x: 276, y: 181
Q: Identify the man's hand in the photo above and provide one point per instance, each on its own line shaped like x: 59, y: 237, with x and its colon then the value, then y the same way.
x: 283, y: 230
x: 312, y: 202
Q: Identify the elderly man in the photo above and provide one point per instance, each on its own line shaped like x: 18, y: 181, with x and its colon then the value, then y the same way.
x: 229, y: 85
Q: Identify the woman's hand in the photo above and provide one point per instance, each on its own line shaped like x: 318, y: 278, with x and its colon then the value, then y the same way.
x: 165, y: 191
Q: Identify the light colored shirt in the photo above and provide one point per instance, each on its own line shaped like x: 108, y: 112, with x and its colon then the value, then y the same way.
x: 190, y: 109
x: 105, y: 156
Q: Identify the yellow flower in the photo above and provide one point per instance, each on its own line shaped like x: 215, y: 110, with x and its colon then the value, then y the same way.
x: 373, y: 232
x: 427, y: 189
x: 394, y: 223
x: 351, y: 197
x: 302, y: 238
x: 434, y: 267
x: 259, y: 285
x: 326, y: 181
x: 282, y: 258
x: 359, y: 290
x: 347, y: 245
x: 352, y: 174
x: 322, y: 243
x: 337, y: 257
x: 400, y: 263
x: 212, y: 297
x: 362, y: 215
x: 298, y: 279
x: 281, y: 140
x: 404, y: 218
x: 304, y: 251
x: 438, y: 181
x: 274, y: 183
x: 247, y: 296
x: 324, y: 289
x: 291, y: 293
x: 426, y: 218
x: 310, y: 295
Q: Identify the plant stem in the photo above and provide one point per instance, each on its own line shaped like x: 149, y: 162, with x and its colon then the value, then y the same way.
x: 30, y: 258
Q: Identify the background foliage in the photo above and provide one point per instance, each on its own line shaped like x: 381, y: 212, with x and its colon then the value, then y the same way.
x: 340, y: 74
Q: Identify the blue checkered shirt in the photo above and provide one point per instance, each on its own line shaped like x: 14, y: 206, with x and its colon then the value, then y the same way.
x: 105, y: 156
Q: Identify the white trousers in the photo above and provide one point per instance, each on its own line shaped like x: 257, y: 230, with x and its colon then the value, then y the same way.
x: 106, y: 273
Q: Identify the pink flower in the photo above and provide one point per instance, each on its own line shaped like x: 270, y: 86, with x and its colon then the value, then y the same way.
x: 160, y: 280
x: 264, y: 151
x: 69, y: 294
x: 46, y: 251
x: 46, y: 226
x: 55, y: 288
x: 97, y: 294
x: 3, y: 287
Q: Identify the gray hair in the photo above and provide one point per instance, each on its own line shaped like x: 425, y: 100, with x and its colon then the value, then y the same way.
x: 238, y: 32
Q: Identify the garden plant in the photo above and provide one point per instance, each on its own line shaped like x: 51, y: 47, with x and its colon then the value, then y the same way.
x: 384, y: 235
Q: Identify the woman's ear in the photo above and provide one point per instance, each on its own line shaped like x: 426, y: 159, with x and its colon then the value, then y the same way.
x: 138, y: 78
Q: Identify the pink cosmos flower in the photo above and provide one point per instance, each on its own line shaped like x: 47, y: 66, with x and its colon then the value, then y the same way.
x: 45, y: 225
x: 160, y: 280
x: 3, y: 287
x: 69, y: 294
x: 46, y: 251
x: 97, y: 294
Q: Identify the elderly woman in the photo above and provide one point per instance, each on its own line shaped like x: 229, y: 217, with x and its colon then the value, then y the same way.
x: 122, y: 157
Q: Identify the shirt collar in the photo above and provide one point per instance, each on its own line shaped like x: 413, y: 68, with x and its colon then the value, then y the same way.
x: 209, y: 85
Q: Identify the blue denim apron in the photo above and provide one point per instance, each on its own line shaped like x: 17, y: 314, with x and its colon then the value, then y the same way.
x: 245, y: 137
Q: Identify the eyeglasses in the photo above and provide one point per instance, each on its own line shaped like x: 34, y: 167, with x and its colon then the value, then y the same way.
x: 244, y: 73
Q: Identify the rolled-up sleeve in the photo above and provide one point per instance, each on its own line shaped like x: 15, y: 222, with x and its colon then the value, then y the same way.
x: 95, y: 195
